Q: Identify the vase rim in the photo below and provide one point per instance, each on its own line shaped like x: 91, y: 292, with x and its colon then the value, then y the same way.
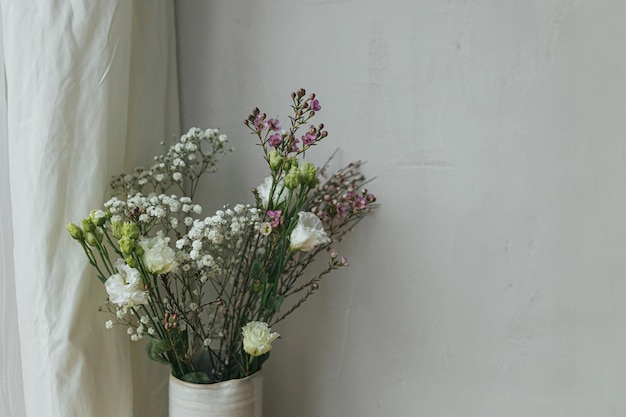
x: 179, y: 381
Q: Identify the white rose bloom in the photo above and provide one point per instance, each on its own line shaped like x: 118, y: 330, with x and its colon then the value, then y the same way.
x: 158, y: 257
x: 257, y: 338
x: 126, y: 287
x: 308, y: 233
x: 265, y: 188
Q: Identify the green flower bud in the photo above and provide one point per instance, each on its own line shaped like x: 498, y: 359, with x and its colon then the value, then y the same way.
x: 130, y: 230
x: 308, y: 174
x: 139, y: 250
x: 276, y: 161
x: 132, y: 262
x: 290, y: 163
x: 91, y: 239
x: 127, y: 245
x: 292, y: 179
x: 75, y: 231
x: 98, y: 217
x: 87, y: 225
x: 117, y: 229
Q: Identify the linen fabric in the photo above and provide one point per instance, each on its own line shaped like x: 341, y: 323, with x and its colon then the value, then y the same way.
x: 90, y: 92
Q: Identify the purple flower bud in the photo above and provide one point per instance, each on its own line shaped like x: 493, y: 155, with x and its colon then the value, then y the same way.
x: 274, y: 124
x: 359, y: 203
x: 308, y: 138
x: 315, y: 105
x: 260, y: 123
x: 294, y: 145
x: 275, y: 140
x: 275, y: 216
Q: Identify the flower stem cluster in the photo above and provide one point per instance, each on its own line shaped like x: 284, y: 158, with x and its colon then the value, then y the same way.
x: 206, y: 290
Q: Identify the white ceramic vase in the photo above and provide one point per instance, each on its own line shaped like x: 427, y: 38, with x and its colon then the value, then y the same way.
x: 234, y: 398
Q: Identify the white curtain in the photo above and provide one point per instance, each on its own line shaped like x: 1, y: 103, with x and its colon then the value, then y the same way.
x: 90, y: 91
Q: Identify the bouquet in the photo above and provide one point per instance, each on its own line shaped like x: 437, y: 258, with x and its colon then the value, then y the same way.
x: 207, y: 291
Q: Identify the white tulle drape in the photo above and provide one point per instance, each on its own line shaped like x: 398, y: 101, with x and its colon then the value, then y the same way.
x: 90, y: 91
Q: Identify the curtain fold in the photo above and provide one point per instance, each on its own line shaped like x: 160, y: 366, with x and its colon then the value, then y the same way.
x: 90, y: 91
x: 11, y: 386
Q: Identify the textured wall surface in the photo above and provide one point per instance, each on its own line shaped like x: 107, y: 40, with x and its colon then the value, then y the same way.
x: 491, y: 281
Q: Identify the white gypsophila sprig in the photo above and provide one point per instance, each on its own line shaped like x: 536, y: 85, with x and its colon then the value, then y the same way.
x: 210, y: 244
x: 195, y: 153
x: 168, y: 212
x: 213, y: 245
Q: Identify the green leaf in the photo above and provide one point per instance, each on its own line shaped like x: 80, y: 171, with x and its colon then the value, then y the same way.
x: 274, y: 302
x: 255, y: 269
x: 156, y: 348
x: 196, y: 378
x: 273, y: 276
